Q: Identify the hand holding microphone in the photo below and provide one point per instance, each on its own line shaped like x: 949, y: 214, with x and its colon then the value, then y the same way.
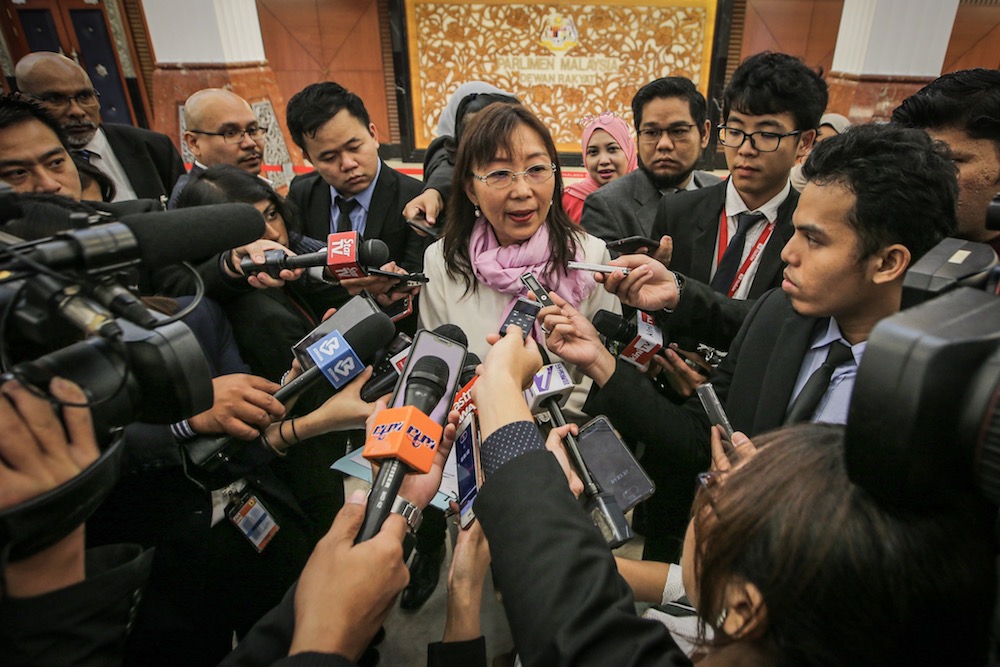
x: 254, y: 261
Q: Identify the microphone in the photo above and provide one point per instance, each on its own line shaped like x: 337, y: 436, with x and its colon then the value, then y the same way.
x: 346, y: 256
x: 387, y: 372
x: 549, y: 390
x: 640, y: 336
x: 155, y: 239
x: 404, y: 439
x: 339, y: 358
x: 463, y: 404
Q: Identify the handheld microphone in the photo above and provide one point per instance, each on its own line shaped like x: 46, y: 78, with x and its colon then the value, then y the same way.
x: 387, y: 372
x: 346, y: 256
x: 549, y: 390
x: 339, y: 358
x: 463, y: 403
x: 404, y: 439
x: 155, y: 239
x: 640, y: 336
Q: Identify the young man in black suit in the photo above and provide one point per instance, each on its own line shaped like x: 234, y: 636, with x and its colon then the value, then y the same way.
x: 771, y: 109
x: 352, y: 188
x: 142, y: 164
x: 878, y: 198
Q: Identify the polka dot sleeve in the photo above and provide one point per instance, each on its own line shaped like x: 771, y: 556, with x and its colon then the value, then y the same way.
x: 508, y: 443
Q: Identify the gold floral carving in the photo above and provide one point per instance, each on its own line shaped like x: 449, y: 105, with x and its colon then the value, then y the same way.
x: 621, y: 47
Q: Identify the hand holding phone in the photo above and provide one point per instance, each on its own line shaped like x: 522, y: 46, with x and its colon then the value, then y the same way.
x: 597, y: 268
x: 420, y: 224
x: 631, y: 244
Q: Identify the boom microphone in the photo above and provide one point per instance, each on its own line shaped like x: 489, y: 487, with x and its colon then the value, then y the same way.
x: 156, y: 239
x: 404, y: 439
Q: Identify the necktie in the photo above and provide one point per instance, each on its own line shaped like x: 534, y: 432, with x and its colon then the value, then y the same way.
x: 725, y: 273
x: 84, y: 154
x: 345, y: 206
x: 805, y: 404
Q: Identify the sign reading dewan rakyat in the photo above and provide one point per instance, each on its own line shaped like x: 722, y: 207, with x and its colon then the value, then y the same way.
x: 564, y: 60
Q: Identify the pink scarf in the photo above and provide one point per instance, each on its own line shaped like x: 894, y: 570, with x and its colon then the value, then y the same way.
x: 500, y: 268
x: 620, y: 132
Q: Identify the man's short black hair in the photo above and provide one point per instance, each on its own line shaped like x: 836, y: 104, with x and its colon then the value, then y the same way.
x: 16, y: 108
x: 317, y: 103
x: 671, y: 86
x: 774, y: 83
x: 904, y: 184
x: 968, y: 100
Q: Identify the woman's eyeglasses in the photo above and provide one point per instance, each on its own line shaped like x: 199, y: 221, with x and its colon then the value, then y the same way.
x: 504, y: 178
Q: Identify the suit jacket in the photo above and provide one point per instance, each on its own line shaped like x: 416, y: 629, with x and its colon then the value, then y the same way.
x: 627, y: 206
x: 692, y: 220
x: 179, y: 186
x: 393, y: 191
x: 754, y: 383
x: 150, y: 159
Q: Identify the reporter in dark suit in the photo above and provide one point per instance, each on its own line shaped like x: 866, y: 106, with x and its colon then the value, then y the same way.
x: 141, y: 163
x: 352, y: 188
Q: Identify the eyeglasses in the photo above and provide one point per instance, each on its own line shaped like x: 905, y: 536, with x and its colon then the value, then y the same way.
x: 602, y: 118
x: 236, y: 136
x: 85, y: 98
x: 677, y: 133
x: 708, y: 483
x: 765, y: 142
x: 504, y: 178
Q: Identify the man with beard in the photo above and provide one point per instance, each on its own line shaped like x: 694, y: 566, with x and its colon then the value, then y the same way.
x: 671, y: 122
x: 142, y: 164
x: 220, y: 128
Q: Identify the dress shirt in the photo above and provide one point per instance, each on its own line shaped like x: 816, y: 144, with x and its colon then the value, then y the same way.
x: 735, y: 206
x: 359, y: 216
x: 103, y: 157
x: 833, y: 406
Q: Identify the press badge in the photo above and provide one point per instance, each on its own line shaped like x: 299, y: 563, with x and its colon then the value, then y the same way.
x: 253, y: 520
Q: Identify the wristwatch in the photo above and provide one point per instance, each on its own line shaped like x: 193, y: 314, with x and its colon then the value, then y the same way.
x: 679, y: 279
x: 410, y: 512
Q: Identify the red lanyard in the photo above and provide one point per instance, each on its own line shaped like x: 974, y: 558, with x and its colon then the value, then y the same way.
x: 754, y: 252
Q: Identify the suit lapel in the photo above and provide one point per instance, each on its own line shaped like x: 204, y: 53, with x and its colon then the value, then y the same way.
x: 776, y: 386
x: 382, y: 198
x: 131, y: 162
x: 706, y: 217
x: 770, y: 268
x: 319, y: 210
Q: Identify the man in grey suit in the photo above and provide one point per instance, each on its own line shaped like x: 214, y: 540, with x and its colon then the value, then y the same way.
x: 671, y: 122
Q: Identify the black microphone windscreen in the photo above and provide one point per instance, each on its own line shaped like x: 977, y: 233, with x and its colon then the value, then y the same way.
x: 431, y: 372
x: 453, y: 332
x: 189, y: 234
x: 373, y: 252
x: 371, y: 334
x: 613, y: 326
x: 469, y: 368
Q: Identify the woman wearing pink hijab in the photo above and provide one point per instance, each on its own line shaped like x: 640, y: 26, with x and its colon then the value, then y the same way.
x: 608, y: 152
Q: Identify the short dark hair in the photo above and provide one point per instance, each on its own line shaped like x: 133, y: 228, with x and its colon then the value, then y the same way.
x: 968, y: 100
x: 226, y: 184
x: 317, y: 103
x: 16, y: 108
x: 904, y: 184
x: 488, y: 135
x: 831, y: 563
x: 773, y: 83
x: 671, y: 86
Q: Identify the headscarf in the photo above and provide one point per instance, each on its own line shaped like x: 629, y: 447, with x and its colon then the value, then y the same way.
x: 621, y: 133
x: 446, y: 124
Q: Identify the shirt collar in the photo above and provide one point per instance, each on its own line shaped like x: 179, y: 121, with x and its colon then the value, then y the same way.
x: 98, y: 145
x: 831, y: 335
x: 364, y: 198
x: 735, y: 204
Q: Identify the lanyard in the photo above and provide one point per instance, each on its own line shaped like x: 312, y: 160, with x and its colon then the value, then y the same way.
x: 758, y: 246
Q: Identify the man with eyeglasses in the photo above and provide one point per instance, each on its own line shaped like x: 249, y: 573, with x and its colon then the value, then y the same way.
x: 142, y: 164
x: 220, y: 128
x: 671, y: 122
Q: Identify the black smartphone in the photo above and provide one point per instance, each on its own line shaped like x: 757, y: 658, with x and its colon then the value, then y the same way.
x: 523, y: 315
x: 399, y: 309
x: 612, y: 463
x: 421, y: 225
x: 429, y: 344
x: 468, y: 468
x: 410, y: 279
x: 631, y: 244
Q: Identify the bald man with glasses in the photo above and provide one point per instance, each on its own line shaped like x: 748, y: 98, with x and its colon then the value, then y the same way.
x: 142, y: 164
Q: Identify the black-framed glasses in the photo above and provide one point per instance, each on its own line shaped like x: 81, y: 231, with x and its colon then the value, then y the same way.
x: 236, y: 136
x: 677, y: 133
x: 504, y: 178
x: 765, y: 142
x: 84, y: 98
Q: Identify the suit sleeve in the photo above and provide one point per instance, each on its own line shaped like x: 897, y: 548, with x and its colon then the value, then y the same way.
x: 168, y: 163
x: 564, y: 599
x: 599, y: 219
x: 706, y: 316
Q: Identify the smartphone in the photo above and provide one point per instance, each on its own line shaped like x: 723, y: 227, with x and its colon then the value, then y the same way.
x: 612, y: 463
x: 399, y: 309
x: 468, y: 468
x: 421, y: 225
x: 596, y: 268
x: 410, y: 279
x: 716, y: 414
x: 523, y: 315
x: 429, y: 344
x: 631, y: 244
